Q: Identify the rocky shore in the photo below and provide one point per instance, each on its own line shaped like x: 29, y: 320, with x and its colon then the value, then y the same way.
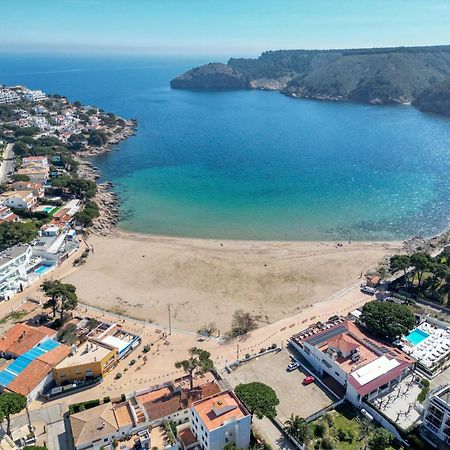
x: 106, y: 200
x: 114, y: 138
x: 429, y: 245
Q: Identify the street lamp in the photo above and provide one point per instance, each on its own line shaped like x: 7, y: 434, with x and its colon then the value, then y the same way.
x: 169, y: 309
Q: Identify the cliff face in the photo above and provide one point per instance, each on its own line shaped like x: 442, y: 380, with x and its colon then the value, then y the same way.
x: 377, y: 76
x: 436, y: 99
x: 214, y: 76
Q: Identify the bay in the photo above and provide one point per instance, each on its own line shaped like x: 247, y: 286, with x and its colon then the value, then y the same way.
x: 253, y: 164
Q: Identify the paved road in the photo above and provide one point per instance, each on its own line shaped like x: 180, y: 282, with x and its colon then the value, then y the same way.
x: 7, y: 164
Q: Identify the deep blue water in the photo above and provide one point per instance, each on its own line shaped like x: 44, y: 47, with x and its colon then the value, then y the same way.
x: 255, y: 165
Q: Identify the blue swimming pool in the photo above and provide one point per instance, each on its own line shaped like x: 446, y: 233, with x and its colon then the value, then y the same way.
x: 41, y: 269
x: 417, y: 336
x: 48, y: 209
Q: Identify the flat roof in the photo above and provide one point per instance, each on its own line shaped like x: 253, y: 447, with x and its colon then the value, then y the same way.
x: 120, y: 344
x: 219, y: 409
x: 444, y: 394
x: 374, y: 369
x: 123, y: 414
x: 86, y: 353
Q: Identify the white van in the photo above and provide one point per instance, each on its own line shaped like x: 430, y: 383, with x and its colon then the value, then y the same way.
x: 368, y: 290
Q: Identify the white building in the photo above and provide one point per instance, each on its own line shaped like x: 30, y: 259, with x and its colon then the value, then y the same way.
x: 220, y: 419
x: 40, y: 122
x: 436, y: 414
x: 18, y: 199
x: 8, y: 96
x: 14, y: 263
x: 34, y: 95
x: 365, y: 368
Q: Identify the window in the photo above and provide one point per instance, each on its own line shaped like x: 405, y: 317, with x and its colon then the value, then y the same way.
x: 434, y: 416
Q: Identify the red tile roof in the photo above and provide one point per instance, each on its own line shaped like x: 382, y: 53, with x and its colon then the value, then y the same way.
x: 31, y: 376
x: 342, y: 343
x: 21, y: 338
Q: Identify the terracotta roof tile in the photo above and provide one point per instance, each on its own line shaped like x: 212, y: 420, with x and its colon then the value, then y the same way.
x: 55, y: 356
x: 32, y: 375
x: 21, y: 338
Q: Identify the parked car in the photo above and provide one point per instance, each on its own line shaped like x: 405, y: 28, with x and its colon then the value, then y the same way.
x: 368, y: 290
x: 294, y: 365
x: 308, y: 380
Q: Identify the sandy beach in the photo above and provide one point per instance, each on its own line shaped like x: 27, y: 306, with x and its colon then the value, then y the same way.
x: 207, y: 280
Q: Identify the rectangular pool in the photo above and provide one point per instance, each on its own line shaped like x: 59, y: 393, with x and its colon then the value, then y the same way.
x: 417, y: 336
x: 41, y: 269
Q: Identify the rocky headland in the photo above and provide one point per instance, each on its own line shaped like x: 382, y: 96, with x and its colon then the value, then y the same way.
x: 403, y: 75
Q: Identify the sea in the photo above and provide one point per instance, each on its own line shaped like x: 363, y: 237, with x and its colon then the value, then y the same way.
x: 254, y: 164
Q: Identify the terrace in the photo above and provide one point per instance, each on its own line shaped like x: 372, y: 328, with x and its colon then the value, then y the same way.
x: 429, y: 344
x: 399, y: 404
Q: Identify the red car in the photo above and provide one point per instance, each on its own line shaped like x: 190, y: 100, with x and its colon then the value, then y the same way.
x: 308, y: 380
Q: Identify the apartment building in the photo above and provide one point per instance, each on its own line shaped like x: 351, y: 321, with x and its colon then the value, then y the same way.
x: 14, y: 264
x: 436, y: 415
x: 220, y: 419
x: 8, y: 96
x: 18, y: 199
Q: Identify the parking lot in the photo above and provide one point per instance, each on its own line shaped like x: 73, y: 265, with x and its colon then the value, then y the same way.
x: 294, y: 397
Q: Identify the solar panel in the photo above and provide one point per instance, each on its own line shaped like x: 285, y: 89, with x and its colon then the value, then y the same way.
x: 328, y: 334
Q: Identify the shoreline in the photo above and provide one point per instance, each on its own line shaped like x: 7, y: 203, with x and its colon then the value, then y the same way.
x: 206, y: 280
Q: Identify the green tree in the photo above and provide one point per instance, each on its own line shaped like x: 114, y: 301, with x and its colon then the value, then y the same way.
x: 380, y: 440
x: 401, y: 262
x: 97, y: 138
x: 258, y: 398
x: 52, y: 289
x: 230, y: 446
x: 10, y: 404
x: 62, y: 296
x: 20, y: 177
x: 34, y: 447
x: 297, y: 428
x: 21, y: 149
x: 12, y: 233
x: 387, y: 319
x: 421, y: 262
x: 69, y: 298
x: 68, y: 334
x: 26, y: 131
x: 82, y: 188
x: 198, y: 363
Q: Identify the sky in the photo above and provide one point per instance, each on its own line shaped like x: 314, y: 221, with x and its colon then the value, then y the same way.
x: 218, y: 27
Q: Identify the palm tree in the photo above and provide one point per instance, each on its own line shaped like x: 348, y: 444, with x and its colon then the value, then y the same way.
x: 297, y: 427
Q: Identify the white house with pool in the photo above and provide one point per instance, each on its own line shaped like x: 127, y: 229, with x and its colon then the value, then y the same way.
x: 429, y: 344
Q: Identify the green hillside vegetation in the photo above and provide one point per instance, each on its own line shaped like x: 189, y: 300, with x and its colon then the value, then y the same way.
x: 379, y: 76
x: 435, y: 99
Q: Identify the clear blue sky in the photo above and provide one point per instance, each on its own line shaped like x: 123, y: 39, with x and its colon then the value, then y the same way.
x: 228, y: 27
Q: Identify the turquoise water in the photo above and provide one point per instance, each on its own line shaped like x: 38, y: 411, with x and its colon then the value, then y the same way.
x: 42, y: 269
x: 256, y: 165
x: 417, y: 336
